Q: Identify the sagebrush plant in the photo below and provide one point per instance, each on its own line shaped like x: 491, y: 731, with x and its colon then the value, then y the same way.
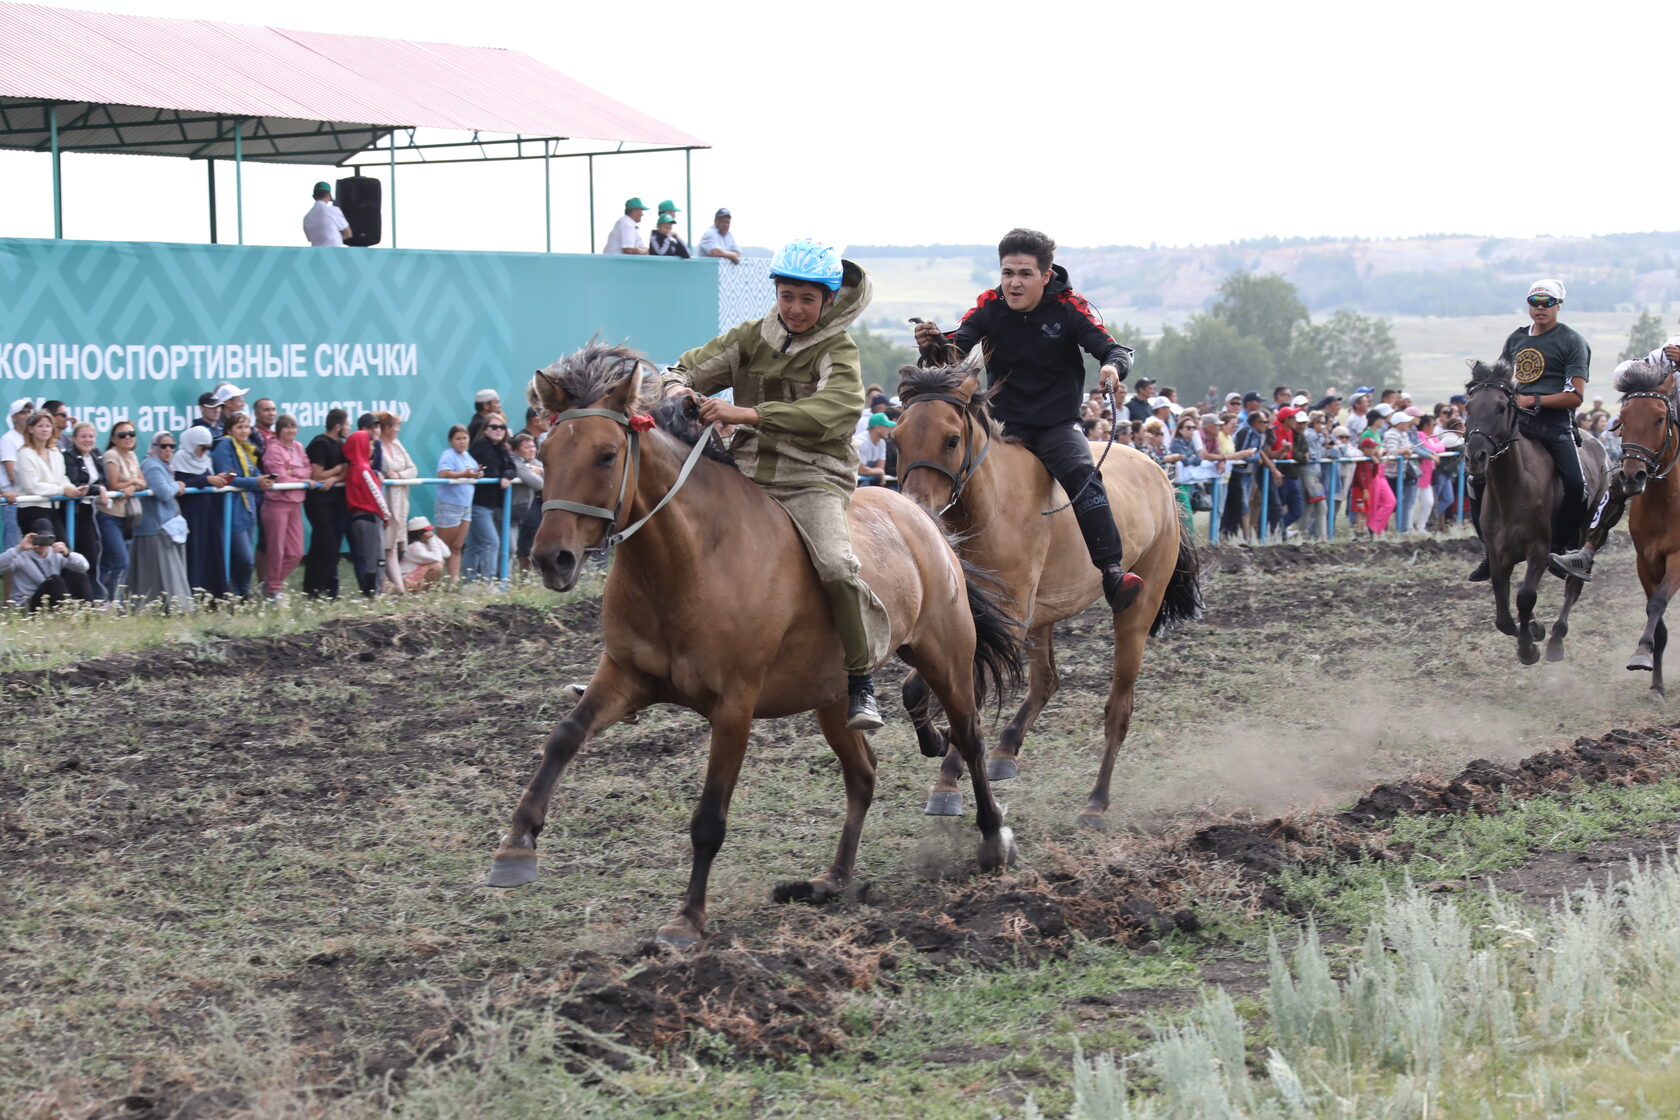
x: 1523, y: 1016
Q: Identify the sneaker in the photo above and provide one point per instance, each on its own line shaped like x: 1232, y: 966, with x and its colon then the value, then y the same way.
x: 1120, y: 587
x: 862, y: 713
x: 1577, y: 564
x: 1481, y: 573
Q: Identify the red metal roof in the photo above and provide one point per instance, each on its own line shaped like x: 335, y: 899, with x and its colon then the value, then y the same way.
x: 157, y: 86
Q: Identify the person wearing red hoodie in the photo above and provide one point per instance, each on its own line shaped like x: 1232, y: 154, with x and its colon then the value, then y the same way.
x: 365, y: 496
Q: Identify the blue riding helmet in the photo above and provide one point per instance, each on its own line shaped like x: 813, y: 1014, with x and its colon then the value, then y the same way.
x: 808, y: 260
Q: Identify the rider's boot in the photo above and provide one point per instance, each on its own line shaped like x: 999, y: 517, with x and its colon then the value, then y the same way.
x: 1120, y: 587
x: 862, y: 713
x: 1481, y: 572
x: 1102, y: 541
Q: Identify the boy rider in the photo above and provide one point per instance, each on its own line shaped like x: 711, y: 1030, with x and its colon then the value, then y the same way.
x: 1033, y: 326
x: 1549, y: 363
x: 799, y: 389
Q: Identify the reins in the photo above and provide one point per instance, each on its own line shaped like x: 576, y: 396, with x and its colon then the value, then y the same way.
x: 632, y: 462
x: 1652, y: 458
x: 970, y: 461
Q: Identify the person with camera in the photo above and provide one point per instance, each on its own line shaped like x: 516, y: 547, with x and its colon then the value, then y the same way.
x: 37, y: 565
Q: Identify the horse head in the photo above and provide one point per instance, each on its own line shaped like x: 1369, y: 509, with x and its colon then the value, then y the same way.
x: 1490, y: 417
x: 593, y: 398
x: 942, y: 434
x: 1650, y: 430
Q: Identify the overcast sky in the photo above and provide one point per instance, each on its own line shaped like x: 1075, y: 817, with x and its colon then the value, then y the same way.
x: 868, y: 122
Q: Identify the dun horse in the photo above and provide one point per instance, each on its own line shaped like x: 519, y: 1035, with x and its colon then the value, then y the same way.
x: 1520, y: 496
x: 993, y: 493
x: 1650, y: 446
x: 713, y: 604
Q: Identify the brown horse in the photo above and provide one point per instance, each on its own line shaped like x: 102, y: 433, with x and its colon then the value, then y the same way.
x: 993, y: 493
x: 713, y: 604
x: 1650, y: 447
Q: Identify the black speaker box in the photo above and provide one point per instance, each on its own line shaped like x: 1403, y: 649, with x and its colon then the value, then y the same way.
x: 359, y: 198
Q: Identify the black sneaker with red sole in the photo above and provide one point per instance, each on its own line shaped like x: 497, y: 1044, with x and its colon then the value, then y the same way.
x: 1121, y: 588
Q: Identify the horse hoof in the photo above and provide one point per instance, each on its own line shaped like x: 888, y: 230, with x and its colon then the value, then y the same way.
x: 814, y: 891
x: 677, y: 935
x: 1093, y: 820
x: 943, y: 804
x: 1554, y: 651
x: 515, y: 872
x: 999, y: 850
x: 1001, y: 769
x: 933, y: 746
x: 1641, y: 662
x: 1528, y: 656
x: 1536, y: 631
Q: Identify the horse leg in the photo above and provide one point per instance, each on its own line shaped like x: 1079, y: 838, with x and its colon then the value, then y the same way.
x: 1502, y: 620
x: 919, y: 702
x: 857, y: 765
x: 1560, y: 629
x: 1042, y: 684
x: 1660, y: 586
x: 945, y: 798
x: 1129, y: 638
x: 613, y: 693
x: 954, y: 686
x: 1527, y: 594
x: 706, y: 828
x: 1657, y: 654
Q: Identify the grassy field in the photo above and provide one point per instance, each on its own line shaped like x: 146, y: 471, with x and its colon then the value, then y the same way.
x: 241, y: 871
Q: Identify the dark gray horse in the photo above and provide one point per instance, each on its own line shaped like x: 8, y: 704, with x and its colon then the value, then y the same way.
x: 1521, y: 494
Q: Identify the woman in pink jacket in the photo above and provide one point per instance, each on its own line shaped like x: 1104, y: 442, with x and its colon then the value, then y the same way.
x: 282, y: 510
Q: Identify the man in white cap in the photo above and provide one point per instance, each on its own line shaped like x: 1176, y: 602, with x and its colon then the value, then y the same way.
x: 1614, y: 503
x: 626, y: 235
x: 717, y: 241
x: 1549, y: 362
x: 485, y: 401
x: 11, y: 440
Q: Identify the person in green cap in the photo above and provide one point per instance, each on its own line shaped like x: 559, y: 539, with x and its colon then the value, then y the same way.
x: 872, y: 450
x: 669, y: 209
x: 325, y: 225
x: 665, y: 241
x: 798, y: 391
x: 626, y: 235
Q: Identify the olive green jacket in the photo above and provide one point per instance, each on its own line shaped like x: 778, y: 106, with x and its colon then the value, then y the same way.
x: 808, y: 390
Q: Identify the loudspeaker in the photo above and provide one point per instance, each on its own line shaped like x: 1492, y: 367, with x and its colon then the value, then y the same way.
x: 359, y: 197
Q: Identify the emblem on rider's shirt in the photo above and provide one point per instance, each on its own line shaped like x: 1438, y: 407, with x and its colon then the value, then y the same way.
x: 1530, y: 365
x: 1052, y: 330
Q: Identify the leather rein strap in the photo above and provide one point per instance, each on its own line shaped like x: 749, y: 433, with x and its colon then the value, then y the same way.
x: 970, y: 461
x: 632, y: 462
x: 1653, y: 457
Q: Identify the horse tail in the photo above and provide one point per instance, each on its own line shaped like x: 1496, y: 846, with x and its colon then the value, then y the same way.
x: 999, y: 649
x: 1183, y: 600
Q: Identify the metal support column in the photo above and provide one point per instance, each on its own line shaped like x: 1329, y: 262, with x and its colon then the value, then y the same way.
x: 210, y: 166
x: 58, y: 184
x: 239, y: 179
x: 548, y: 201
x: 688, y: 182
x: 591, y: 204
x: 393, y: 188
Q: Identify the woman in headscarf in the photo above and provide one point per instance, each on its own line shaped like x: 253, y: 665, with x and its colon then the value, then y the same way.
x: 236, y: 457
x: 395, y: 463
x: 157, y: 567
x: 193, y: 468
x: 365, y: 496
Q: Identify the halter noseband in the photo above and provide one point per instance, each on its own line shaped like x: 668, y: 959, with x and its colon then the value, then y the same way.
x: 971, y: 461
x: 632, y: 461
x: 1500, y: 446
x: 1653, y: 457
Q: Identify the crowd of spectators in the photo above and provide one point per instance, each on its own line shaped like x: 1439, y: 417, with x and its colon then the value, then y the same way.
x: 217, y: 511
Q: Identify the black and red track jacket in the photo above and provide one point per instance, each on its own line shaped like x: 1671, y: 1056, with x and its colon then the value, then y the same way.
x: 1032, y: 359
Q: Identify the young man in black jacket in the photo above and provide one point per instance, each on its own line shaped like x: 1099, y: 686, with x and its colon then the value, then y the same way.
x: 1033, y: 326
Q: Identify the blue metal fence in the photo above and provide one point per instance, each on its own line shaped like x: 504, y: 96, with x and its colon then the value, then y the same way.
x: 1219, y: 492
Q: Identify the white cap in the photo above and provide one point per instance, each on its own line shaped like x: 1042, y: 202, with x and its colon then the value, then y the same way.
x: 1548, y: 287
x: 418, y: 523
x: 1383, y: 409
x: 485, y: 396
x: 1159, y: 402
x: 1300, y: 400
x: 22, y: 404
x: 226, y: 391
x: 1400, y: 418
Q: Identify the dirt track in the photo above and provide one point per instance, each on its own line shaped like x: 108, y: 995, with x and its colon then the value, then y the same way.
x: 303, y: 820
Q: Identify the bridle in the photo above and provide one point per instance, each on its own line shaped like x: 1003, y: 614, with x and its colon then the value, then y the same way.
x: 1653, y: 457
x: 1512, y: 434
x: 633, y: 427
x: 971, y: 459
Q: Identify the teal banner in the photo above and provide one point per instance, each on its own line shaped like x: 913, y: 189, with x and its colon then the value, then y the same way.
x: 137, y: 330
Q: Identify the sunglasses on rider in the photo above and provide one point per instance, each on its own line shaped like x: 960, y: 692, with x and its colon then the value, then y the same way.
x: 1543, y: 301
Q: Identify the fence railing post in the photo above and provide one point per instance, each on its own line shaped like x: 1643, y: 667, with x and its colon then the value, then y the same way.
x: 1265, y: 491
x: 1218, y: 509
x: 1458, y: 493
x: 1334, y: 474
x: 507, y: 531
x: 227, y: 539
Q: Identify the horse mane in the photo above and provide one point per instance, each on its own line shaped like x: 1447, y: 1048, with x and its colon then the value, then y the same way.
x: 585, y: 376
x: 1499, y: 373
x: 1639, y: 376
x: 916, y: 381
x: 673, y: 419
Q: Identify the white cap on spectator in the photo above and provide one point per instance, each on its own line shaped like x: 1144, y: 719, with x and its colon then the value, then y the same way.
x: 418, y: 524
x: 227, y: 391
x: 485, y: 396
x: 1159, y: 402
x: 1300, y: 400
x: 22, y: 404
x: 1400, y: 418
x: 1383, y: 410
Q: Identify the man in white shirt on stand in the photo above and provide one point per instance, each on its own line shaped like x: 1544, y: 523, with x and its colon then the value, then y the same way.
x: 717, y: 241
x: 626, y: 237
x: 325, y: 225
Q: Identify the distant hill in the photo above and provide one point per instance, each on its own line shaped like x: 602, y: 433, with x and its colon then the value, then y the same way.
x: 1450, y: 275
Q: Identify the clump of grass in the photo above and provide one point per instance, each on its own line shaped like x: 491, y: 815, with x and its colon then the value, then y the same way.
x: 1435, y: 1016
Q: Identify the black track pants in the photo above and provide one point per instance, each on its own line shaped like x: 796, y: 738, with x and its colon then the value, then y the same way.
x: 1066, y: 452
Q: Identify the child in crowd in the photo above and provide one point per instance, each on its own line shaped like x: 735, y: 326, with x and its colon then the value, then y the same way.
x: 424, y: 558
